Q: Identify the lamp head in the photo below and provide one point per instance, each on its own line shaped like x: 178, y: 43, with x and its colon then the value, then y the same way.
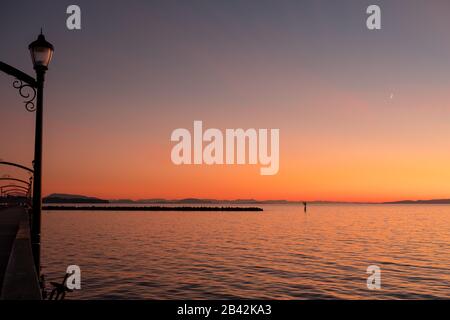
x: 41, y: 52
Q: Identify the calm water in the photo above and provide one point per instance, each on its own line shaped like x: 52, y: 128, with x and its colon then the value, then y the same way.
x: 280, y: 253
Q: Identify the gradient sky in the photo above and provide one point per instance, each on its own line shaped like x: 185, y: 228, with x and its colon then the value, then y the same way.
x: 140, y: 69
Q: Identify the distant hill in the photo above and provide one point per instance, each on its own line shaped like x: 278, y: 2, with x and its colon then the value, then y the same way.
x: 75, y: 198
x: 432, y: 201
x: 71, y: 198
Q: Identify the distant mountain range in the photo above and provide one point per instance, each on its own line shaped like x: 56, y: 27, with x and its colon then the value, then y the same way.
x: 73, y: 198
x: 432, y: 201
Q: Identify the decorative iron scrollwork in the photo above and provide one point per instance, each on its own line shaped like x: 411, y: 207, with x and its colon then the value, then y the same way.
x: 27, y: 92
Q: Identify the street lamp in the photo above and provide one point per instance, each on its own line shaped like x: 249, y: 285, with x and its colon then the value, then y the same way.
x: 32, y: 90
x: 41, y: 54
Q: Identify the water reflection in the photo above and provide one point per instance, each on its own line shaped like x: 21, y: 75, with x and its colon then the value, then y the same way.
x: 281, y: 253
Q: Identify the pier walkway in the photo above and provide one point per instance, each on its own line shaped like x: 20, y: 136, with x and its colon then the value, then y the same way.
x: 18, y: 277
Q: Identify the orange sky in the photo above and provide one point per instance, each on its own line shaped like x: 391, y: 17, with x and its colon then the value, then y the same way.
x: 363, y: 116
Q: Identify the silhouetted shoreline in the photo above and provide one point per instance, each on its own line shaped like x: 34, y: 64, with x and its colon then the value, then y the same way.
x: 61, y: 198
x: 151, y: 208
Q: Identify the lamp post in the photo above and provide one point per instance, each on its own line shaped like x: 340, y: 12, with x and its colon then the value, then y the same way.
x: 32, y: 90
x: 41, y: 54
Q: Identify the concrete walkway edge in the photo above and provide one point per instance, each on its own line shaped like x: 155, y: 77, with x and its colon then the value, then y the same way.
x: 21, y: 281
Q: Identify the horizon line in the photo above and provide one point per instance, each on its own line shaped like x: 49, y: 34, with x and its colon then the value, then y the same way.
x: 67, y: 195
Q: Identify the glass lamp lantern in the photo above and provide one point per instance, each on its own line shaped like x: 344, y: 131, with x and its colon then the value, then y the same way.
x: 41, y: 52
